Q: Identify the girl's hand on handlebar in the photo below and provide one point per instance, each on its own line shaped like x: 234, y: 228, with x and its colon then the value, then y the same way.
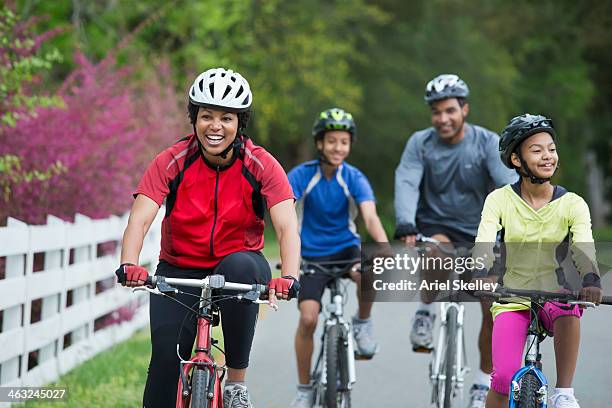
x: 591, y: 294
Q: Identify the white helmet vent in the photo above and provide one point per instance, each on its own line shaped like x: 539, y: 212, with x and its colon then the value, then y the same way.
x: 221, y: 88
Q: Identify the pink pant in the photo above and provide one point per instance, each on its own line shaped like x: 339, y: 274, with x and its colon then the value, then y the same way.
x: 509, y: 336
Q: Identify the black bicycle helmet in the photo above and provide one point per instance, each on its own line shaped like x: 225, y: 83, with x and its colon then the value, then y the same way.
x: 519, y: 129
x: 445, y: 86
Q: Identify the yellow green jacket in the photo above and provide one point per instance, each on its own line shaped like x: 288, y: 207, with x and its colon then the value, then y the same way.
x: 531, y: 238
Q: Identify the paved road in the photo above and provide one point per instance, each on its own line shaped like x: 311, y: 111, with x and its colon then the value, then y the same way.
x: 397, y: 377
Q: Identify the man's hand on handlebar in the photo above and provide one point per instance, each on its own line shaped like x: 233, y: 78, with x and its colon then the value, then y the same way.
x: 409, y: 240
x: 131, y: 275
x: 406, y: 233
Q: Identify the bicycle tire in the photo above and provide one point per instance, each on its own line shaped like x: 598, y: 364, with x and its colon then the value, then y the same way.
x: 450, y: 355
x: 199, y: 388
x: 528, y: 397
x: 337, y: 393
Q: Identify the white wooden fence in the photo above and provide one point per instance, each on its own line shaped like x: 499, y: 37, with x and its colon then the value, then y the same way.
x: 59, y: 304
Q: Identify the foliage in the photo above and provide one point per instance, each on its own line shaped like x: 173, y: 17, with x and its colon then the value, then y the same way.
x: 373, y: 58
x: 11, y: 173
x: 20, y: 62
x: 101, y: 137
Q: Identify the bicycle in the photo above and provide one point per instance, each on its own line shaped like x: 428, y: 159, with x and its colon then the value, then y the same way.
x: 447, y: 367
x: 199, y: 383
x: 334, y: 372
x: 529, y: 386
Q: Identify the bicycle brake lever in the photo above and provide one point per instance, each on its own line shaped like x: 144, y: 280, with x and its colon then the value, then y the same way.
x: 273, y: 306
x: 581, y: 303
x: 144, y: 288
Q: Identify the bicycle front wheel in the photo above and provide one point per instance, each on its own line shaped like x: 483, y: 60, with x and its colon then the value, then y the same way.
x: 450, y: 356
x: 337, y: 392
x: 199, y: 388
x: 528, y: 394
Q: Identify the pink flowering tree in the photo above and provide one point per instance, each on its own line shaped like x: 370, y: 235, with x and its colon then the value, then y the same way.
x: 93, y: 146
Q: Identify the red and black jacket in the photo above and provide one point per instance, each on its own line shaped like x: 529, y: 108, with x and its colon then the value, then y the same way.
x: 213, y: 211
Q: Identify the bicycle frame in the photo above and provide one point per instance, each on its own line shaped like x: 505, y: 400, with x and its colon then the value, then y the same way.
x: 334, y: 311
x: 202, y: 357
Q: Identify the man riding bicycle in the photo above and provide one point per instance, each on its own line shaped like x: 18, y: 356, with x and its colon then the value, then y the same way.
x: 216, y: 184
x: 330, y: 192
x: 441, y: 182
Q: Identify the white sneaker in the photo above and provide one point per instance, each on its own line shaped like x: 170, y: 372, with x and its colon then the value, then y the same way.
x: 237, y: 397
x: 303, y: 399
x: 563, y: 401
x: 421, y: 334
x: 362, y: 332
x: 478, y: 396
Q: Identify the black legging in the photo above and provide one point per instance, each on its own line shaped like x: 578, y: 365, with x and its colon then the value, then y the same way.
x: 167, y: 316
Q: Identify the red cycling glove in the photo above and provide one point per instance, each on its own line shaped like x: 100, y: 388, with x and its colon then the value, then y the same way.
x: 129, y: 274
x: 286, y: 285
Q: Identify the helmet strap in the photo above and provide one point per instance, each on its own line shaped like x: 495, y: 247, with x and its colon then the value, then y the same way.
x: 526, y: 172
x: 323, y: 159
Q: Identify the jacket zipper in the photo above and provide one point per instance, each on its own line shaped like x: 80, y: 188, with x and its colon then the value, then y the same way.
x: 212, y: 233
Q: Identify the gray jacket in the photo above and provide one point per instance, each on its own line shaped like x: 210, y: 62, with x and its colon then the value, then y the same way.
x: 443, y: 184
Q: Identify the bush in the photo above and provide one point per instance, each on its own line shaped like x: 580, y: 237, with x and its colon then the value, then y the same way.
x: 107, y: 131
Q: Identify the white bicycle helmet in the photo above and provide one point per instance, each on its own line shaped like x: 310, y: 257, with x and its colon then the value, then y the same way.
x: 223, y: 88
x: 446, y: 86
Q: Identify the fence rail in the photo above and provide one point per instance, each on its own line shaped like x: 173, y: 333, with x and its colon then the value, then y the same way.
x: 59, y: 304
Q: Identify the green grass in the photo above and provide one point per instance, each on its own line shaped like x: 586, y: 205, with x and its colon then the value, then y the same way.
x: 114, y: 378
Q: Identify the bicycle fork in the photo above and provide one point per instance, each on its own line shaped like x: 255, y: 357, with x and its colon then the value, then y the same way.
x: 532, y: 364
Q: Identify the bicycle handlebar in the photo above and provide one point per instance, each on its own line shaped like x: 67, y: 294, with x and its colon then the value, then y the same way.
x: 161, y: 285
x: 448, y: 251
x: 329, y: 268
x: 539, y: 296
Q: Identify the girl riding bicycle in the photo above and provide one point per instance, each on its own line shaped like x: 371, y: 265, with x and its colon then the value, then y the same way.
x: 216, y: 185
x: 536, y: 216
x: 330, y: 192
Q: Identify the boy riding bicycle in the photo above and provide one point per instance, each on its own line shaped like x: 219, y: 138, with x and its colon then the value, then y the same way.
x: 330, y: 192
x: 441, y: 183
x: 536, y: 217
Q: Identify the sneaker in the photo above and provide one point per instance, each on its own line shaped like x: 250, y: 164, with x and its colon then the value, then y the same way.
x: 362, y: 332
x: 303, y: 399
x: 563, y: 401
x: 421, y: 335
x: 478, y: 396
x: 236, y: 396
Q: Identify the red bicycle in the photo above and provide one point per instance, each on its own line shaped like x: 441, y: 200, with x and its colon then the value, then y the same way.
x: 199, y: 384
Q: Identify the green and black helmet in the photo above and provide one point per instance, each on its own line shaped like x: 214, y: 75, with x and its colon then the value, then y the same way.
x: 519, y: 129
x: 334, y: 119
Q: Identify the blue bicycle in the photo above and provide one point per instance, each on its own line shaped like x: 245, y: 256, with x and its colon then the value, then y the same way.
x: 529, y: 387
